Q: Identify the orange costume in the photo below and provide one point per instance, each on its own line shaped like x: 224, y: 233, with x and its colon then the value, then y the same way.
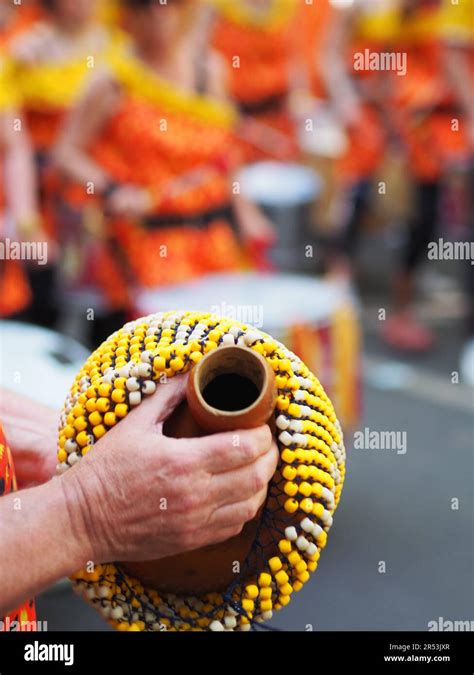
x: 177, y: 145
x: 26, y: 613
x: 259, y: 50
x: 14, y: 289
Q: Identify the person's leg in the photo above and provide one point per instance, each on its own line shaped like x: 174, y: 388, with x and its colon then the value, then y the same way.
x: 402, y: 330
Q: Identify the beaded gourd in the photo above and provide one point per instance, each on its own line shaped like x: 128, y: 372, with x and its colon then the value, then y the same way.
x: 303, y: 493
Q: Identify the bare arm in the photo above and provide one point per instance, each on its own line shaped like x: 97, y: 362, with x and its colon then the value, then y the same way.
x: 20, y: 173
x: 91, y: 512
x: 31, y: 429
x: 82, y: 127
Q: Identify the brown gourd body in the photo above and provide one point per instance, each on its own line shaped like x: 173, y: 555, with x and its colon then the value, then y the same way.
x: 231, y: 388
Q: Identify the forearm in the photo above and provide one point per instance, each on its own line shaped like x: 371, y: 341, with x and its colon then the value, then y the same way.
x: 40, y: 542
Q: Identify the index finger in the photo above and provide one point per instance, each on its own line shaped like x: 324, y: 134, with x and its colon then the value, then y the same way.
x: 230, y: 450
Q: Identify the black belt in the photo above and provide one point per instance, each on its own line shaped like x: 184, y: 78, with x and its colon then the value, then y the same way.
x: 200, y: 220
x: 271, y: 104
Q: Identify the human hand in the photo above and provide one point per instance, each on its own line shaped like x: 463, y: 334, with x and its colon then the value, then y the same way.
x: 139, y: 495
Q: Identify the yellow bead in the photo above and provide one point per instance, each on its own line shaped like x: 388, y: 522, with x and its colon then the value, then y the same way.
x: 91, y: 404
x: 291, y: 505
x: 284, y: 599
x: 103, y: 405
x: 105, y: 389
x: 289, y: 472
x: 291, y: 489
x: 99, y: 431
x: 301, y: 567
x: 284, y: 545
x: 62, y: 456
x: 80, y: 424
x: 120, y: 383
x: 118, y: 396
x: 275, y: 564
x: 303, y: 577
x: 248, y: 605
x: 78, y: 411
x: 121, y: 410
x: 195, y: 357
x: 281, y: 577
x: 312, y: 565
x: 251, y: 591
x: 69, y: 431
x: 297, y: 586
x: 110, y: 419
x: 305, y: 489
x: 285, y: 589
x: 177, y: 364
x: 288, y: 456
x: 265, y: 593
x: 294, y: 558
x: 266, y: 605
x: 294, y: 410
x: 264, y: 580
x: 82, y: 438
x: 318, y: 510
x: 303, y: 471
x: 306, y: 505
x: 95, y: 418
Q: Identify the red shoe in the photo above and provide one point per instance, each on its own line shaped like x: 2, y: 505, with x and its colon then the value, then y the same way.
x: 402, y: 331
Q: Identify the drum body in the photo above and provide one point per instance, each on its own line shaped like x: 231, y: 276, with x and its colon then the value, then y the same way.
x: 316, y: 319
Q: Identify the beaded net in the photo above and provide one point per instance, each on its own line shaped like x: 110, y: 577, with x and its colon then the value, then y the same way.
x: 302, y: 495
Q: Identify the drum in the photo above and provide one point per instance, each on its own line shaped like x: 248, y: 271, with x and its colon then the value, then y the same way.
x: 317, y: 319
x: 39, y: 363
x: 286, y: 192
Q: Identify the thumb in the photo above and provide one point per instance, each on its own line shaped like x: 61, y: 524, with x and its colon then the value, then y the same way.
x: 157, y: 407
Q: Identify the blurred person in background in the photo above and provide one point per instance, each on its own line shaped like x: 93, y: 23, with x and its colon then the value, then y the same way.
x: 406, y: 111
x: 153, y: 133
x: 256, y: 38
x: 19, y: 218
x: 48, y: 63
x: 457, y: 36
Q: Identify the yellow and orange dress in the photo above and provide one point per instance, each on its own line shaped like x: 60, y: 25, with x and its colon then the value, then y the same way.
x: 375, y: 28
x: 179, y: 145
x: 16, y: 619
x: 15, y: 292
x: 259, y: 50
x: 422, y: 99
x: 47, y: 89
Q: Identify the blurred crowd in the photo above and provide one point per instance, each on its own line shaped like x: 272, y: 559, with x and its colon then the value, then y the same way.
x: 124, y: 124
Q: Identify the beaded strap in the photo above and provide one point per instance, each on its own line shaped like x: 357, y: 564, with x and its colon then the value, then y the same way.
x: 303, y: 493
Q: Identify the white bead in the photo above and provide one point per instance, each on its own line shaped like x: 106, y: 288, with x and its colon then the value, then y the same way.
x: 251, y: 337
x: 302, y: 543
x: 307, y: 525
x: 312, y: 549
x: 144, y: 369
x: 135, y: 398
x: 317, y: 530
x: 132, y: 384
x: 296, y: 425
x: 266, y: 616
x: 102, y: 591
x: 124, y: 371
x: 62, y: 467
x: 70, y: 445
x: 245, y: 627
x: 149, y: 387
x: 73, y: 458
x: 291, y: 533
x: 90, y: 593
x: 228, y: 339
x: 286, y: 438
x: 282, y: 422
x: 216, y: 626
x: 116, y: 612
x: 146, y: 356
x: 230, y: 621
x: 299, y: 395
x: 301, y: 440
